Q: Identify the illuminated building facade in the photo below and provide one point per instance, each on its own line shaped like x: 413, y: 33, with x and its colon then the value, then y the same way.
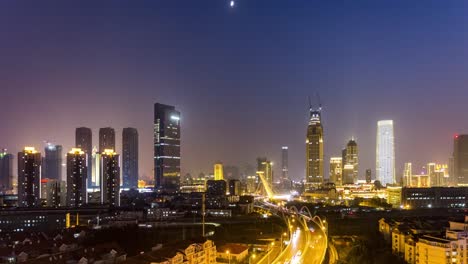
x: 460, y: 159
x: 314, y: 149
x: 106, y: 139
x: 218, y: 171
x: 166, y: 148
x: 53, y: 193
x: 130, y: 157
x: 52, y: 165
x: 6, y: 171
x: 385, y: 153
x: 29, y: 177
x: 76, y: 178
x: 110, y: 181
x: 264, y: 169
x: 284, y: 164
x: 394, y: 196
x: 252, y: 183
x: 234, y: 187
x: 336, y: 171
x: 95, y: 180
x: 352, y: 159
x: 348, y: 174
x: 84, y: 141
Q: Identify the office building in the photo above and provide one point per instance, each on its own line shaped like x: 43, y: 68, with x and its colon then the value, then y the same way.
x: 385, y: 153
x: 6, y: 171
x: 130, y: 158
x: 348, y: 174
x: 110, y: 178
x: 435, y: 197
x: 166, y: 148
x: 352, y: 158
x: 218, y: 171
x: 216, y: 188
x: 234, y: 187
x: 29, y: 177
x: 106, y: 139
x: 284, y: 165
x: 252, y: 183
x: 84, y: 141
x: 314, y: 149
x: 76, y: 178
x: 368, y: 176
x: 407, y: 174
x: 52, y: 165
x: 460, y: 159
x: 336, y: 170
x: 394, y: 196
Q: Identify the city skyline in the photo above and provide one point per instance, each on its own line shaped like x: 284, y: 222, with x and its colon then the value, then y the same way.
x: 121, y: 93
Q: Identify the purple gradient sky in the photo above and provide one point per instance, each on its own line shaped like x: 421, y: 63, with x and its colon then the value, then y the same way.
x: 239, y: 76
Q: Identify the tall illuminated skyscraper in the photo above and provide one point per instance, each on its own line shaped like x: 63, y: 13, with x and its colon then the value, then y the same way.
x: 352, y: 158
x: 265, y: 170
x: 166, y: 148
x: 106, y: 139
x: 6, y: 171
x: 130, y: 158
x: 314, y: 149
x: 110, y: 178
x: 84, y: 141
x: 76, y: 178
x: 284, y: 164
x: 336, y: 170
x: 29, y: 177
x: 385, y: 153
x: 218, y: 171
x: 52, y: 166
x: 460, y: 159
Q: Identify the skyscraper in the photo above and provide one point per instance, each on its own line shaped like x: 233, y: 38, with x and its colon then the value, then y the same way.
x: 52, y: 166
x: 385, y: 153
x: 84, y: 141
x: 29, y: 177
x: 95, y: 179
x: 76, y: 178
x: 336, y: 170
x: 408, y: 175
x: 6, y: 171
x: 110, y: 182
x: 314, y: 149
x: 460, y: 159
x: 218, y: 171
x: 130, y: 157
x: 368, y: 176
x: 352, y: 158
x: 264, y: 169
x: 106, y: 139
x: 166, y: 148
x: 284, y: 164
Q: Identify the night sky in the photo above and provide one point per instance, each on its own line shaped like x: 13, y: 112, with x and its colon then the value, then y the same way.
x: 239, y: 76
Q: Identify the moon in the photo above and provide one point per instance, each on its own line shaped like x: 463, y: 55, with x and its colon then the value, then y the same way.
x: 232, y: 3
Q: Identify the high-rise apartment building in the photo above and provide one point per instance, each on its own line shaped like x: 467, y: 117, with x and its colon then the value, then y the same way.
x: 53, y: 193
x: 218, y: 171
x: 336, y: 170
x: 6, y: 171
x: 106, y: 139
x: 460, y: 159
x: 76, y: 178
x: 29, y: 177
x: 110, y: 178
x: 385, y: 153
x: 314, y: 149
x: 84, y: 141
x: 130, y: 157
x: 348, y: 174
x: 352, y: 158
x: 52, y: 165
x: 166, y: 148
x: 284, y: 164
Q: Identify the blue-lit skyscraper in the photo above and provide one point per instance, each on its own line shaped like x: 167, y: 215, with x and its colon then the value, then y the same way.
x: 130, y: 157
x: 52, y: 166
x: 6, y: 171
x: 385, y: 153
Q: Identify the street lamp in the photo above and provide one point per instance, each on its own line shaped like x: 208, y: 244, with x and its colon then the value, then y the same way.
x: 252, y: 257
x: 229, y: 256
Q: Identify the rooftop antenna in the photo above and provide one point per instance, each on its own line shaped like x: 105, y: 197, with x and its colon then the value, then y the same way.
x: 310, y: 104
x: 319, y: 101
